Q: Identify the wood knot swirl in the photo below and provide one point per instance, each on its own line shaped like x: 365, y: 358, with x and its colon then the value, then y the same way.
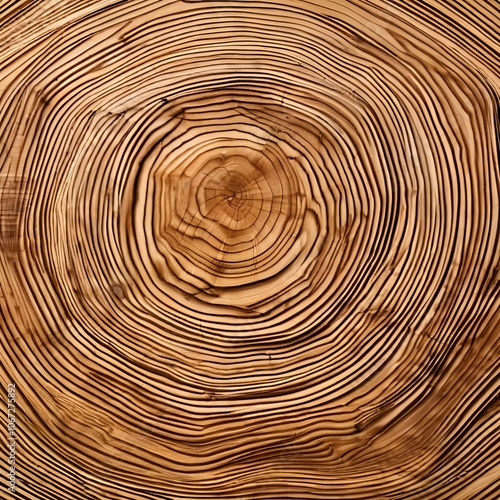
x: 250, y: 250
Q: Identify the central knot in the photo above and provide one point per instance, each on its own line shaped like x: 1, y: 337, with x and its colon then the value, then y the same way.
x: 229, y: 192
x: 236, y: 199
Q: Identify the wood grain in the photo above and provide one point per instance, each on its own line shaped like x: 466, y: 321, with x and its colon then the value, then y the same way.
x: 250, y: 249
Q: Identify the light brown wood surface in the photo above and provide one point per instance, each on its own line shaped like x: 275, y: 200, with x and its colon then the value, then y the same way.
x: 250, y: 249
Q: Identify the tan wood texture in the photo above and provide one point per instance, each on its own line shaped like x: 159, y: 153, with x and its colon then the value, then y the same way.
x: 250, y: 249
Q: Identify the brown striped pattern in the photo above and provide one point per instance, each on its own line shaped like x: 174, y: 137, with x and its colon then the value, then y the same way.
x: 251, y: 250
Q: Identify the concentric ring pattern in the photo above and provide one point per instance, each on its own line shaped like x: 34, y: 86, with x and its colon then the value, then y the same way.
x: 251, y: 249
